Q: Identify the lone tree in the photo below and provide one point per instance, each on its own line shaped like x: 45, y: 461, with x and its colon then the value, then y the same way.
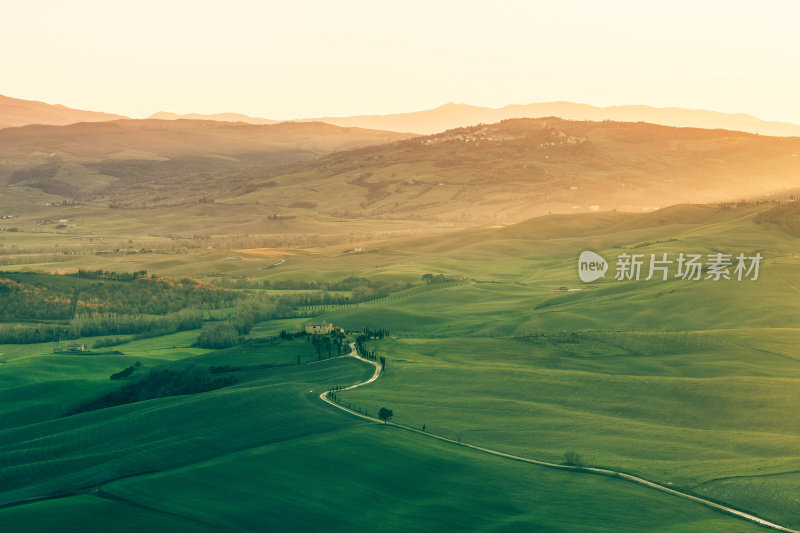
x: 573, y: 459
x: 385, y: 414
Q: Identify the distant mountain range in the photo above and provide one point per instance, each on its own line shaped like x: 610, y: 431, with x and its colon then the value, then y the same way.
x: 222, y: 117
x: 451, y: 116
x: 16, y: 112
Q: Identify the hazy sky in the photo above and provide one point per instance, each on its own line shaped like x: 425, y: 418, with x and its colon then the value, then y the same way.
x: 294, y: 59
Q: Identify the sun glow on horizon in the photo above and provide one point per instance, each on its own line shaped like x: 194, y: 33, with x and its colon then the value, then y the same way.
x: 312, y: 59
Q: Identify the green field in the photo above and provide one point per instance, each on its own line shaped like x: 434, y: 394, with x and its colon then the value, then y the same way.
x: 289, y: 462
x: 690, y: 420
x: 383, y: 479
x: 691, y: 384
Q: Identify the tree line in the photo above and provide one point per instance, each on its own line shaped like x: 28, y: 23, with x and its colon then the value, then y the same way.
x: 439, y: 278
x: 328, y: 344
x: 364, y: 351
x: 231, y: 332
x: 103, y: 324
x: 33, y: 296
x: 361, y: 289
x: 159, y: 383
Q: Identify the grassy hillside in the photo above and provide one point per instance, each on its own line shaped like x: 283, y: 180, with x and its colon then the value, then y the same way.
x: 694, y: 410
x: 267, y: 453
x: 72, y: 515
x: 498, y: 173
x: 71, y: 454
x: 689, y: 383
x: 151, y: 192
x: 517, y: 169
x: 402, y: 482
x: 786, y: 217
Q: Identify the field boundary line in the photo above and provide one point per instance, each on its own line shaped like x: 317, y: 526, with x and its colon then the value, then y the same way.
x: 400, y: 295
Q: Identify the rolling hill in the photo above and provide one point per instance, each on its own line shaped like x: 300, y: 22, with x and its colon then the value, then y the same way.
x: 17, y: 112
x: 520, y: 168
x: 87, y: 157
x: 271, y: 185
x: 265, y: 453
x: 689, y: 383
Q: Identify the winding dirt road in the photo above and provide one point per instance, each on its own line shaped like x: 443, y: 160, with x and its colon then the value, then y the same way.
x: 589, y: 470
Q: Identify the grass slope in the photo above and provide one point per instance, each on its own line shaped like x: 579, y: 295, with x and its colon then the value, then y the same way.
x: 89, y: 513
x: 85, y: 450
x: 382, y: 479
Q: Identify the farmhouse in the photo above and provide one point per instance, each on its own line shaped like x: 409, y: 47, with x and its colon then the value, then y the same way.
x: 317, y: 328
x: 75, y: 348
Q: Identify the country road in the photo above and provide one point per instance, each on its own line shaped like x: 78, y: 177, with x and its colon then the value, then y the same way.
x: 588, y: 470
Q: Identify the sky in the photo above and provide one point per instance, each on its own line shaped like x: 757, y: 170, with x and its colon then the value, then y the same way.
x: 296, y: 59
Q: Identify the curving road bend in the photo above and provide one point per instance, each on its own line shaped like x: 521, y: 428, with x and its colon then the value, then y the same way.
x: 590, y: 470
